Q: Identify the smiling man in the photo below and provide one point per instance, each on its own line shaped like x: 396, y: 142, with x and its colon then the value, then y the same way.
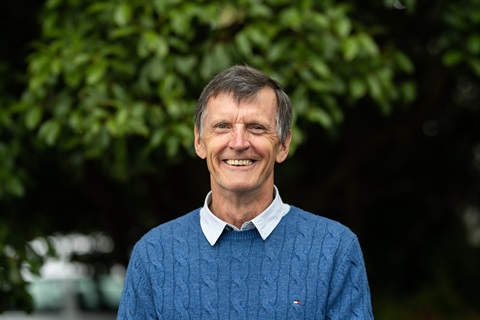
x: 246, y: 254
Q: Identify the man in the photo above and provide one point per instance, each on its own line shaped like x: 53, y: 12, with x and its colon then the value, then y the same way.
x: 245, y: 254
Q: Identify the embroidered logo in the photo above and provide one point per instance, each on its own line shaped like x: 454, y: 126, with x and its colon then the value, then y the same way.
x: 296, y: 302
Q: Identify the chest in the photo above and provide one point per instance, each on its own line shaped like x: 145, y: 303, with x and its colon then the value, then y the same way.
x: 243, y: 280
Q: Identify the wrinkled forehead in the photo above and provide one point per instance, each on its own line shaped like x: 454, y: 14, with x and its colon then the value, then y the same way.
x: 263, y: 105
x: 265, y: 97
x: 236, y: 95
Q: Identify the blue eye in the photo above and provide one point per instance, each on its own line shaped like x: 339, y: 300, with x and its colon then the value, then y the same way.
x: 256, y: 128
x: 221, y: 126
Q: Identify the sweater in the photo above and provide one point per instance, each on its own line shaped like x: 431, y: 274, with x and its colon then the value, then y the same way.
x: 310, y: 267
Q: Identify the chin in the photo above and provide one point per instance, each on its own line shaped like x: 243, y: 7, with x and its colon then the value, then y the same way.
x: 239, y: 187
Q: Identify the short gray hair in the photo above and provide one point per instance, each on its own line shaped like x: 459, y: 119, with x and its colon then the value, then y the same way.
x: 244, y: 82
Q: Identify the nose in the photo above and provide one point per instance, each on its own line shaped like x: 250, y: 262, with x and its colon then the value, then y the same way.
x: 239, y: 138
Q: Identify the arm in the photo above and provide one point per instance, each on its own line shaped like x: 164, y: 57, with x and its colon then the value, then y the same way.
x: 137, y: 299
x: 349, y: 296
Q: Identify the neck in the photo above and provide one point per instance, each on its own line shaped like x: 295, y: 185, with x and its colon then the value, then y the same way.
x: 236, y: 208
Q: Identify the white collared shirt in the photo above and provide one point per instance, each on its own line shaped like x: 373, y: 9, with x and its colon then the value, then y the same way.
x: 265, y: 222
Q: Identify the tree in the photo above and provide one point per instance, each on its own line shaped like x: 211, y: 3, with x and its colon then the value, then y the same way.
x: 107, y: 101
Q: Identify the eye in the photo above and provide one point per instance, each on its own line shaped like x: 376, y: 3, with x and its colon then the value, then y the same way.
x: 256, y: 128
x: 221, y: 126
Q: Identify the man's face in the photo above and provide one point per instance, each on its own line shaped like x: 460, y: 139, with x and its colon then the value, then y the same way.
x: 240, y: 142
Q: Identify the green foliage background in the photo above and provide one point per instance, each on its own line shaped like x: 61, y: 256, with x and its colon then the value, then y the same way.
x: 103, y: 96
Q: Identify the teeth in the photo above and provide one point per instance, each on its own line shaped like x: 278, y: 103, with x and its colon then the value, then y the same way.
x: 239, y: 162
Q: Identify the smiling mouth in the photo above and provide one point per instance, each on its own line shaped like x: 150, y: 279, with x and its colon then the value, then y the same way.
x: 239, y: 162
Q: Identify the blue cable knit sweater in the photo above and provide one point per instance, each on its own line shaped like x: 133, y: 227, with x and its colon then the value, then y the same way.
x: 310, y: 267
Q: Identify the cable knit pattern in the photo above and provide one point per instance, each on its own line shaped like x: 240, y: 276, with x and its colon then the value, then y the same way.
x: 310, y: 267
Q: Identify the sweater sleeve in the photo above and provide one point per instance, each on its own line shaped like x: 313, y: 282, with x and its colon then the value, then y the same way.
x: 136, y: 301
x: 349, y: 296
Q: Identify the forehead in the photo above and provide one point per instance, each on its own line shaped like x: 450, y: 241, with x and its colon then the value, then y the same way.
x: 262, y: 104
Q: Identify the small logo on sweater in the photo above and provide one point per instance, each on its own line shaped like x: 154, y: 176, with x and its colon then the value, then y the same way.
x: 296, y: 302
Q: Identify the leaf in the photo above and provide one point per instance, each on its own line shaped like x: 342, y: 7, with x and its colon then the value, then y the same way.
x: 452, y: 58
x: 243, y: 43
x: 318, y: 115
x: 374, y: 86
x: 403, y: 62
x: 33, y: 117
x: 221, y: 57
x: 342, y: 26
x: 350, y: 48
x: 157, y: 137
x: 319, y: 19
x: 409, y: 91
x: 320, y: 68
x: 15, y: 187
x: 95, y: 72
x: 123, y: 32
x: 180, y: 23
x: 367, y: 44
x: 357, y: 88
x: 475, y: 65
x: 185, y: 65
x: 122, y: 14
x: 277, y: 51
x: 50, y: 131
x: 473, y: 44
x: 291, y: 18
x: 171, y: 146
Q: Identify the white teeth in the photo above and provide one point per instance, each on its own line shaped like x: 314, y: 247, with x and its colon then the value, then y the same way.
x: 239, y: 162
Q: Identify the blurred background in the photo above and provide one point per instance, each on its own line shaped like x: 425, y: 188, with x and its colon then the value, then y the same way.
x: 96, y: 118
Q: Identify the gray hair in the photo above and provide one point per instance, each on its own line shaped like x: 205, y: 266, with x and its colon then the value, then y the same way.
x: 244, y: 82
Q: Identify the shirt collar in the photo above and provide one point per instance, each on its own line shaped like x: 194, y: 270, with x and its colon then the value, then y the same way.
x: 265, y: 222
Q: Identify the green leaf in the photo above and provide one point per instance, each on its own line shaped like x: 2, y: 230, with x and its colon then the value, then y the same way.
x: 172, y: 146
x: 409, y: 91
x: 33, y: 117
x: 473, y: 44
x: 350, y: 48
x: 221, y: 57
x: 179, y: 22
x: 367, y: 44
x: 475, y: 65
x: 452, y: 58
x: 15, y: 187
x: 50, y: 131
x: 95, y: 72
x: 319, y: 116
x: 319, y: 19
x: 123, y: 14
x: 403, y: 62
x: 157, y: 138
x: 185, y: 65
x: 291, y: 17
x: 374, y: 86
x: 320, y: 68
x: 342, y: 26
x: 277, y: 51
x: 357, y: 88
x: 243, y: 43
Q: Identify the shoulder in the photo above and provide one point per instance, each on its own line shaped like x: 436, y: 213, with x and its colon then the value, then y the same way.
x: 320, y: 229
x: 310, y: 220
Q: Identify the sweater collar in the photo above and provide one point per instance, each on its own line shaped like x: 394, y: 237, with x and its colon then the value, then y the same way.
x: 265, y: 222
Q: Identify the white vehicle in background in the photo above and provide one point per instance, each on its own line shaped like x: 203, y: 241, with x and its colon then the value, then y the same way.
x: 71, y: 299
x: 70, y: 290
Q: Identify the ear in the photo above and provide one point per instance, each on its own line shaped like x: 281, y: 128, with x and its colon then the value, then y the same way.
x: 199, y: 145
x: 284, y: 148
